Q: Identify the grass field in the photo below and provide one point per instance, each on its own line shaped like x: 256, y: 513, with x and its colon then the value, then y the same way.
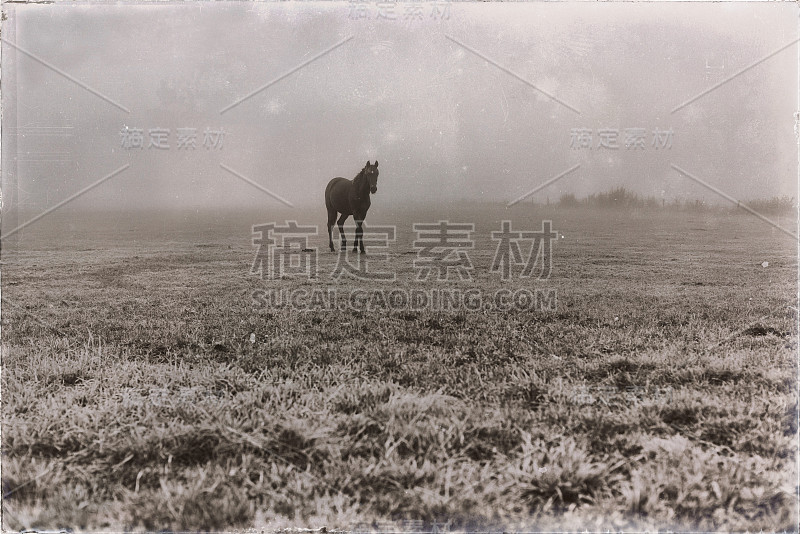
x: 142, y: 390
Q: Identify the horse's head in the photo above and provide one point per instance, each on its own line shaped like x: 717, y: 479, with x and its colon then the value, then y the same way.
x: 371, y: 174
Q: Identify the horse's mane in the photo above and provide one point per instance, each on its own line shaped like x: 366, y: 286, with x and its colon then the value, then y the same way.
x: 358, y: 182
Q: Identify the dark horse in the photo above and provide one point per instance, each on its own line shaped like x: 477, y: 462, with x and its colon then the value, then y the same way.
x: 351, y: 197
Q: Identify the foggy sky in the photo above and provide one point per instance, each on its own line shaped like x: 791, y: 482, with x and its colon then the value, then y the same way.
x: 444, y: 124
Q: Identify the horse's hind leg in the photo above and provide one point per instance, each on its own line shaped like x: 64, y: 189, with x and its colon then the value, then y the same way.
x: 340, y: 222
x: 331, y: 220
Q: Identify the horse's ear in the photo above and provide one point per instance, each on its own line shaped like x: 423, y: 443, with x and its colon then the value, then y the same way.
x: 376, y: 162
x: 367, y: 163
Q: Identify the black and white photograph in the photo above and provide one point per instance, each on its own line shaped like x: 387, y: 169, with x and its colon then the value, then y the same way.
x: 399, y: 266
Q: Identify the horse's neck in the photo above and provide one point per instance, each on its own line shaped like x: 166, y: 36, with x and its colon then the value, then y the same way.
x: 361, y: 186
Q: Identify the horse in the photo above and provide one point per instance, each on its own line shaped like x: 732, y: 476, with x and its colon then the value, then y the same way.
x: 351, y: 197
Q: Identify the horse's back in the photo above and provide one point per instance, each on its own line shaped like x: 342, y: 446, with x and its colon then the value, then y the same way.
x: 333, y: 183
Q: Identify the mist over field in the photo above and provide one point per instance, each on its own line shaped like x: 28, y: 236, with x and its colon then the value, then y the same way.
x: 446, y: 125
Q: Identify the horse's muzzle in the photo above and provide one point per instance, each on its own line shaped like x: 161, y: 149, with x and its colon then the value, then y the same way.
x: 373, y: 190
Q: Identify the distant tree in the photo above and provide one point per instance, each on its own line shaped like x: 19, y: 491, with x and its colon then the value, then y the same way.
x: 568, y: 200
x: 774, y: 205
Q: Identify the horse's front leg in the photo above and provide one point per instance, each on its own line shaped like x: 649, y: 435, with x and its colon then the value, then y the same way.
x: 359, y: 238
